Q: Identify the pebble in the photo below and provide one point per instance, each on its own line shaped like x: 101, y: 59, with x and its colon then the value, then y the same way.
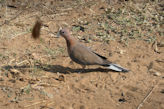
x: 157, y: 74
x: 154, y: 72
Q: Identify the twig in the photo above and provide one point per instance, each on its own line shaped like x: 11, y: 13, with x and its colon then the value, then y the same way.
x: 19, y: 34
x: 49, y: 104
x: 50, y: 32
x: 146, y: 97
x: 46, y: 85
x: 155, y: 47
x: 21, y: 62
x: 6, y: 10
x: 47, y: 8
x: 61, y: 14
x: 35, y: 103
x: 67, y: 9
x: 7, y: 21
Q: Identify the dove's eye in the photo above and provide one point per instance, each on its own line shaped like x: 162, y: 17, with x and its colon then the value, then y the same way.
x: 63, y: 32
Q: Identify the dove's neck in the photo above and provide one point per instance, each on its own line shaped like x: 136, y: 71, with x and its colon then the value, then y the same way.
x: 70, y: 41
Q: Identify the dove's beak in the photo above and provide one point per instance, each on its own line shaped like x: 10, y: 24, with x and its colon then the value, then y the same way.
x: 58, y: 34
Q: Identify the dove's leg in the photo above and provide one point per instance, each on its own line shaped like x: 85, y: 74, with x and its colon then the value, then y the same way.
x: 83, y: 69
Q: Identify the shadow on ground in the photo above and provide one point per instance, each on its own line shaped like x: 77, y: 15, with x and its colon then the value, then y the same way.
x: 56, y: 68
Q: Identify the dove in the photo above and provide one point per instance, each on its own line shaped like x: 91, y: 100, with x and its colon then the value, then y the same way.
x: 84, y: 56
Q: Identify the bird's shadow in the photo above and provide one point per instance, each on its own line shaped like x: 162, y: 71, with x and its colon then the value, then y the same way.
x: 57, y: 68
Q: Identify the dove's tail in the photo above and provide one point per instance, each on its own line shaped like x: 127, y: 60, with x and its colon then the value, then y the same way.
x: 117, y: 68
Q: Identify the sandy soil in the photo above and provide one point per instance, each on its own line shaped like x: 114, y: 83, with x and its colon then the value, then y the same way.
x: 38, y: 74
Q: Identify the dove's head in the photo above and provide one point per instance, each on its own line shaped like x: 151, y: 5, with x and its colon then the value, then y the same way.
x: 67, y: 36
x: 64, y: 33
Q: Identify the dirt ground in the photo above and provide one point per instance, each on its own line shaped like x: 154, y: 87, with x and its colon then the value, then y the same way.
x: 38, y: 74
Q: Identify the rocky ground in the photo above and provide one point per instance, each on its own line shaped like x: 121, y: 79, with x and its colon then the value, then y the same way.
x: 38, y: 74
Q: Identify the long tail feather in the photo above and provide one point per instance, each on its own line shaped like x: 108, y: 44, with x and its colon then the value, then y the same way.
x: 117, y: 68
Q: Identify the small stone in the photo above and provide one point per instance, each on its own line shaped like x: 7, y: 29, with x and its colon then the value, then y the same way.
x: 35, y: 56
x: 162, y: 91
x: 122, y: 100
x: 157, y: 74
x: 21, y: 79
x: 122, y: 51
x: 154, y: 72
x: 14, y: 71
x: 61, y: 78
